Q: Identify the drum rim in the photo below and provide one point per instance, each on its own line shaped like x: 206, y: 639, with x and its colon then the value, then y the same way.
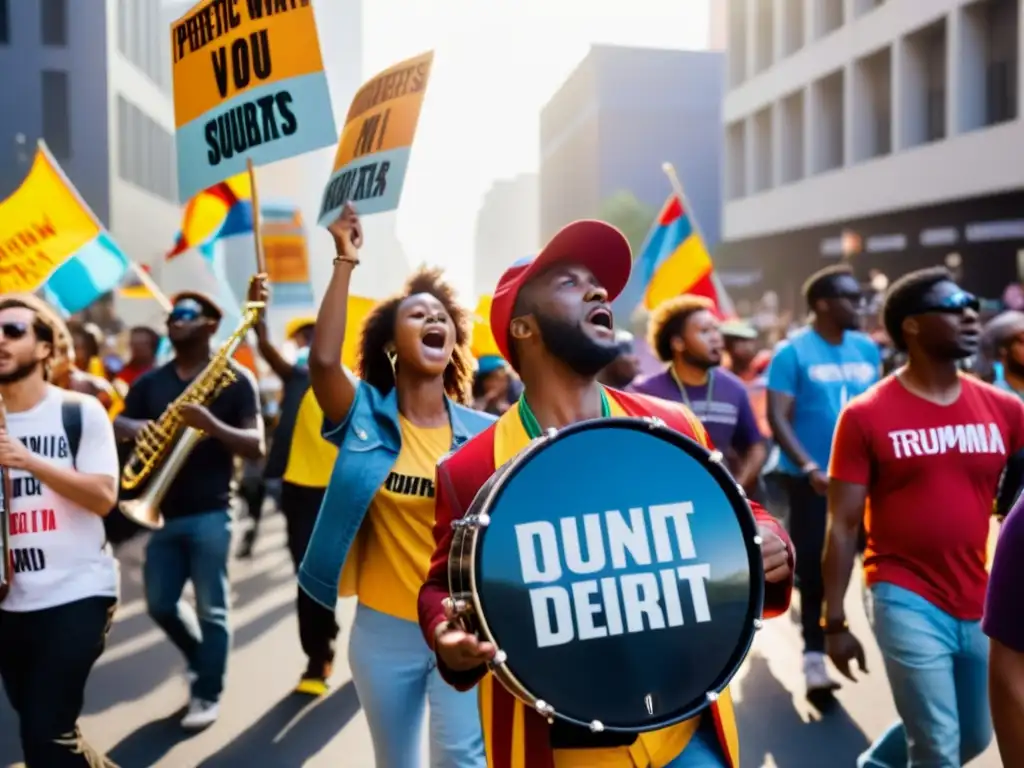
x: 713, y: 461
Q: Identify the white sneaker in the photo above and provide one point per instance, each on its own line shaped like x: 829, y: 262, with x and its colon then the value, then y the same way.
x: 816, y: 674
x: 201, y: 714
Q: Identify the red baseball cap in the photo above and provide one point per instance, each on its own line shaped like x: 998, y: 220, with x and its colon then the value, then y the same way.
x: 596, y: 245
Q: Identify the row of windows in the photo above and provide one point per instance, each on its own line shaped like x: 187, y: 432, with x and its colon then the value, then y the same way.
x: 56, y: 112
x: 53, y: 22
x: 144, y: 39
x: 145, y: 152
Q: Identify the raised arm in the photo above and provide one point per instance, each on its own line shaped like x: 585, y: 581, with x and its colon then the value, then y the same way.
x: 334, y: 389
x: 281, y: 367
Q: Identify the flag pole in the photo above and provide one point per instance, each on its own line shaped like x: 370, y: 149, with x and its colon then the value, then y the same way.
x: 677, y: 187
x: 261, y: 262
x: 159, y: 296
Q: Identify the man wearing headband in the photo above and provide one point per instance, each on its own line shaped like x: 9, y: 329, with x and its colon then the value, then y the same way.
x: 195, y: 540
x: 926, y: 447
x: 302, y: 461
x: 812, y: 375
x: 551, y: 318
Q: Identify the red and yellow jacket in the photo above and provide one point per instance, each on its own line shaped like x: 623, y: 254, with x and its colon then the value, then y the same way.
x: 515, y: 735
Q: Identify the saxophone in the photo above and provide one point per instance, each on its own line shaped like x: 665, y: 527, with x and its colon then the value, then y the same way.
x: 162, y: 447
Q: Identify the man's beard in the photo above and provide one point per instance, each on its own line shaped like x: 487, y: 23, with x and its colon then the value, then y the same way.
x: 569, y: 343
x: 23, y: 371
x: 702, y: 364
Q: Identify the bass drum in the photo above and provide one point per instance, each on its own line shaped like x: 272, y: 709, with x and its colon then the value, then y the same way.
x: 617, y: 567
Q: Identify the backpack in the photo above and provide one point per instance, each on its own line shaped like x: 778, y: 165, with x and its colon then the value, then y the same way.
x: 118, y: 528
x: 71, y: 416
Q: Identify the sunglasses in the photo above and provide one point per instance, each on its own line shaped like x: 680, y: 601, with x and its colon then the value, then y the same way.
x: 184, y: 314
x: 955, y: 304
x: 13, y: 331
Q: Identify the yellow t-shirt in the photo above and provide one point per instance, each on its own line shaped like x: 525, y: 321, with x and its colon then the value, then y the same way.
x: 651, y: 750
x: 399, y: 527
x: 310, y: 457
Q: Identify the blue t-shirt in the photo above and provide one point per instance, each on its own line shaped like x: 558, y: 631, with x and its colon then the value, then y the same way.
x: 821, y: 378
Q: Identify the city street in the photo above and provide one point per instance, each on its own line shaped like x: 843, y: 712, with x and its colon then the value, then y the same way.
x: 137, y: 691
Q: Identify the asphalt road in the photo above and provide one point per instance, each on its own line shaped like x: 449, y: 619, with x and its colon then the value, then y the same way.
x: 137, y: 692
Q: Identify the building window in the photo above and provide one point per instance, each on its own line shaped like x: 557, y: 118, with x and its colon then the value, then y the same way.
x: 5, y: 22
x: 54, y: 20
x: 123, y: 7
x: 57, y: 113
x: 145, y: 152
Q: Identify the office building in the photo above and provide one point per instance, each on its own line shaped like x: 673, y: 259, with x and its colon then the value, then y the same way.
x: 93, y: 80
x: 619, y: 116
x: 507, y: 229
x: 887, y: 132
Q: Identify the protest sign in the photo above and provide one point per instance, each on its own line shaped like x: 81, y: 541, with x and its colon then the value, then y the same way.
x: 373, y: 152
x: 42, y: 224
x: 249, y: 85
x: 287, y: 255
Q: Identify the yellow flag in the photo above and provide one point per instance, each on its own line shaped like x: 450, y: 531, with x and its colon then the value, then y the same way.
x: 482, y: 342
x: 42, y: 224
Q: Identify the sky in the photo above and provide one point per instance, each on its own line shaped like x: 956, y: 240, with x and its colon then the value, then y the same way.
x: 497, y: 62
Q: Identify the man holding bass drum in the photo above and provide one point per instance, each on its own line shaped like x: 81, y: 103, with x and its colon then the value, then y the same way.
x: 634, y: 656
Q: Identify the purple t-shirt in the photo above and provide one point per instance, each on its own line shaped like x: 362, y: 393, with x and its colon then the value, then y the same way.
x: 727, y: 416
x: 1004, y: 610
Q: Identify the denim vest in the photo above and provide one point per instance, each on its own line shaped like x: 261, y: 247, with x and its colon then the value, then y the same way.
x: 369, y: 440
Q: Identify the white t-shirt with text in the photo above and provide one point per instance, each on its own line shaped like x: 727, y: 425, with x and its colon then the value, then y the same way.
x: 59, y: 550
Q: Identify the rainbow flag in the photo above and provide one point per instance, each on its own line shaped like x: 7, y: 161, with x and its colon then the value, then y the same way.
x: 207, y: 213
x: 672, y: 261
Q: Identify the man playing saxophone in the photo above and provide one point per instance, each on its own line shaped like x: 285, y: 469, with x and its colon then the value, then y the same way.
x: 59, y: 450
x: 195, y: 538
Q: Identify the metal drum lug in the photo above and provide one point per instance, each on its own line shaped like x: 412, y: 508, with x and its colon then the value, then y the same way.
x: 712, y: 696
x: 544, y: 708
x: 596, y: 726
x: 500, y: 657
x: 716, y: 457
x: 654, y: 422
x: 482, y: 520
x: 758, y: 624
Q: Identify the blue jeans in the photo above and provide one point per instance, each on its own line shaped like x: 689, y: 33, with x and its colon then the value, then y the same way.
x: 395, y: 675
x: 938, y: 670
x: 703, y: 751
x: 194, y: 547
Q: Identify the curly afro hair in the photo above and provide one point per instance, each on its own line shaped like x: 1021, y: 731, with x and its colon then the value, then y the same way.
x: 379, y: 330
x: 668, y: 319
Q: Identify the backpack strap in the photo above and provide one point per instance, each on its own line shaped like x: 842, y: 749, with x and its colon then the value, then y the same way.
x: 71, y: 416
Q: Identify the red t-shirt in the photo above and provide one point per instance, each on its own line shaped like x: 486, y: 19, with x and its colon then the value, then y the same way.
x: 932, y: 473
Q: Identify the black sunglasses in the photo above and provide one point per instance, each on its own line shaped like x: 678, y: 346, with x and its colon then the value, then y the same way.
x: 13, y: 330
x: 954, y: 304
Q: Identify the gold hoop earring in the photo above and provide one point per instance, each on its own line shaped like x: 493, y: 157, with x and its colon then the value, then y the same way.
x: 392, y: 357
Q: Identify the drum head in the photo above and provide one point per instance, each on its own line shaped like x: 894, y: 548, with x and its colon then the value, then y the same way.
x: 620, y: 575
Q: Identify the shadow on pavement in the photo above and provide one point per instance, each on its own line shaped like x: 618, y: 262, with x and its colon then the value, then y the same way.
x: 290, y: 733
x: 137, y: 674
x: 770, y: 724
x: 150, y: 743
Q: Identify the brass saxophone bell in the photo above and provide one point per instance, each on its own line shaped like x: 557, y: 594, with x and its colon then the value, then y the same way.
x: 143, y: 513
